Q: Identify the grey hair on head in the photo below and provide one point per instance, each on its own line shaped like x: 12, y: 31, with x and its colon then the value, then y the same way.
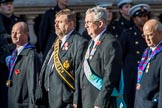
x: 100, y: 13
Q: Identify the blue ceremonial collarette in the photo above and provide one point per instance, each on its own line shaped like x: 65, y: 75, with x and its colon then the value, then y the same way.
x: 145, y: 60
x: 13, y: 58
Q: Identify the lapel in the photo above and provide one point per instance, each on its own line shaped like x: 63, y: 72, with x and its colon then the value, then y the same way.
x: 47, y: 59
x: 63, y: 51
x: 101, y: 39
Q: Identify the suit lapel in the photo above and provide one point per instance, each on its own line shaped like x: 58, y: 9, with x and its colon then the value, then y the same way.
x: 101, y: 39
x: 63, y: 50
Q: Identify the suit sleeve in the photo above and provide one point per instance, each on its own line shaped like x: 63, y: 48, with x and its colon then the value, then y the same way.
x: 160, y: 90
x: 34, y: 65
x: 112, y: 60
x: 79, y: 58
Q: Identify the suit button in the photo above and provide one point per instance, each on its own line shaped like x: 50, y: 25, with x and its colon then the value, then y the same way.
x: 135, y: 33
x: 116, y: 36
x: 136, y: 42
x: 83, y: 87
x: 137, y: 52
x: 138, y: 62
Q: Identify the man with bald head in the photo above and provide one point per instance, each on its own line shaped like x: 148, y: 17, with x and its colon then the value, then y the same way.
x: 23, y: 65
x: 149, y: 81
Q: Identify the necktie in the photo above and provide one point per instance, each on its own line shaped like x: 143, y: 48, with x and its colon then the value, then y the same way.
x: 150, y: 51
x: 12, y: 60
x: 92, y: 44
x: 60, y: 42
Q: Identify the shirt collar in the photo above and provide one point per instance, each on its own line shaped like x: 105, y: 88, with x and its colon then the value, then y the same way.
x: 19, y: 49
x: 153, y: 48
x: 63, y: 40
x: 99, y: 36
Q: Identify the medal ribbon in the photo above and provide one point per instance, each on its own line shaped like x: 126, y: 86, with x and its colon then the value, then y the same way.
x: 145, y: 60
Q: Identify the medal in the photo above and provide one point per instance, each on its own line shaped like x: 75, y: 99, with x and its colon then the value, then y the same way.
x: 138, y: 86
x: 8, y: 83
x: 147, y: 67
x: 66, y: 64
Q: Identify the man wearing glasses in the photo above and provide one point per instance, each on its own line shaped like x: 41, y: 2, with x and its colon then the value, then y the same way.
x: 149, y: 82
x: 100, y: 71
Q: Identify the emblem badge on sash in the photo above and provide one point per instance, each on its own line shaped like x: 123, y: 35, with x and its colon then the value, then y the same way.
x: 66, y: 64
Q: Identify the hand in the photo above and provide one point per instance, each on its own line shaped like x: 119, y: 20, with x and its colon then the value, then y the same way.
x: 74, y: 105
x: 96, y: 107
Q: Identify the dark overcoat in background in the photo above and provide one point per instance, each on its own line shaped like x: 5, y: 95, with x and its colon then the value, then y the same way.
x: 133, y: 45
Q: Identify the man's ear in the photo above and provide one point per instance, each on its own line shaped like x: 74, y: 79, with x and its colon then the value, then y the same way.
x: 100, y: 23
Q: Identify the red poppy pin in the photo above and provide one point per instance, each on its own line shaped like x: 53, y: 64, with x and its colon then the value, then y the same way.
x: 98, y: 43
x: 66, y: 45
x: 17, y: 71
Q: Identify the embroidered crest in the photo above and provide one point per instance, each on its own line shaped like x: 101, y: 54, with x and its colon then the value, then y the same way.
x: 66, y: 64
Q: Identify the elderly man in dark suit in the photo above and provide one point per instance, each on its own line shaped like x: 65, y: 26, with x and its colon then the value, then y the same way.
x: 24, y: 67
x: 100, y: 71
x: 58, y: 71
x: 149, y: 82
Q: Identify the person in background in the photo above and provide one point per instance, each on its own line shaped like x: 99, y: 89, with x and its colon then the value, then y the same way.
x: 46, y: 33
x: 149, y: 80
x: 58, y: 72
x: 100, y: 71
x: 133, y: 46
x: 8, y: 19
x: 24, y: 67
x: 3, y: 72
x: 124, y: 21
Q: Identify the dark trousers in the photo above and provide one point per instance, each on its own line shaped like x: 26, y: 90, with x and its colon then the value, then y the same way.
x: 112, y: 102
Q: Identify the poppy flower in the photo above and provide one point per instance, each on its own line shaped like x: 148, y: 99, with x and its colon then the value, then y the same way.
x: 98, y: 43
x: 17, y: 71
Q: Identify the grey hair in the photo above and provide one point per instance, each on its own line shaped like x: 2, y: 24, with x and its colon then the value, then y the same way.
x: 100, y: 13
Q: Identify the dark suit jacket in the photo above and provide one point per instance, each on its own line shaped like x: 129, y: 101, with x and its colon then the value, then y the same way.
x: 151, y: 86
x: 21, y: 94
x: 106, y: 63
x: 59, y: 94
x: 133, y: 45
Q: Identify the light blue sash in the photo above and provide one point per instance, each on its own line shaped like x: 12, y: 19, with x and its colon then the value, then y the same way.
x: 93, y: 79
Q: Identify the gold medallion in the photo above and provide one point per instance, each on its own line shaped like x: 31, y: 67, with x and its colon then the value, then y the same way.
x: 90, y: 57
x: 8, y: 83
x: 66, y: 64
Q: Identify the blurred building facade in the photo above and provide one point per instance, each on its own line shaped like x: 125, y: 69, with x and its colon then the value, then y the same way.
x: 33, y: 9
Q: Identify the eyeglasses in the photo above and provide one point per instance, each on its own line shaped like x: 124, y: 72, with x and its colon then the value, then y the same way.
x: 90, y: 22
x: 148, y: 35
